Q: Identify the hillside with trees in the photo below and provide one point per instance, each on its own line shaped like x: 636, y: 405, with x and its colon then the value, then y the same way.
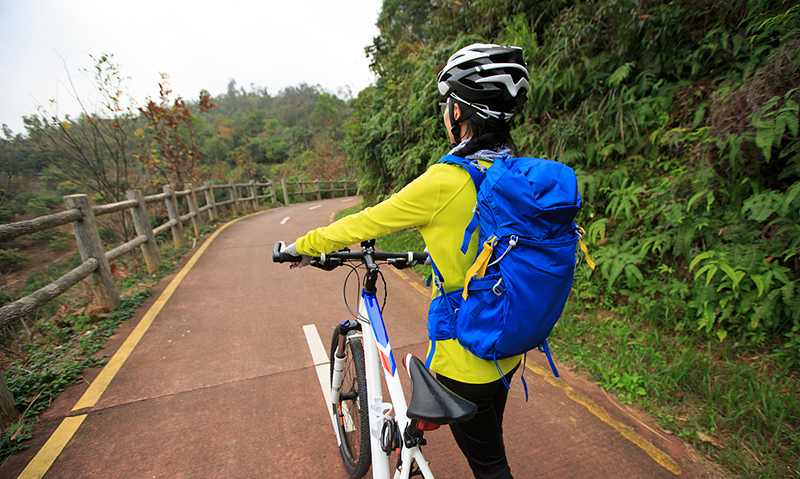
x: 117, y: 144
x: 239, y: 135
x: 681, y: 121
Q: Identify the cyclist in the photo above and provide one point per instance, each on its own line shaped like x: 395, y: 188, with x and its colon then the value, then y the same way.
x: 482, y: 85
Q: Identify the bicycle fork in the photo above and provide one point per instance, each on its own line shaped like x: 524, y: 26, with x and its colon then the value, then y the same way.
x: 344, y: 328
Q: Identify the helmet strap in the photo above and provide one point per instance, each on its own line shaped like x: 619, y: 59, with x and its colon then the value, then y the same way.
x: 455, y: 124
x: 455, y: 128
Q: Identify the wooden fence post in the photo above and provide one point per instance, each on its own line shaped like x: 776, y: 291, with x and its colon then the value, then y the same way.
x: 253, y: 194
x: 285, y: 192
x: 191, y: 200
x: 271, y: 184
x: 8, y: 413
x: 101, y: 281
x: 234, y: 197
x: 212, y: 212
x: 302, y: 192
x: 141, y: 222
x: 319, y: 195
x: 345, y: 188
x: 178, y: 237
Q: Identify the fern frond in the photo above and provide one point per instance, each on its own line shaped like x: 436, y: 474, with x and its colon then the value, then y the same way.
x: 569, y: 157
x: 620, y: 74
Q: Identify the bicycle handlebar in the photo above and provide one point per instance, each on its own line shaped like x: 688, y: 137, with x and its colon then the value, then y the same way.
x: 279, y: 256
x: 367, y: 255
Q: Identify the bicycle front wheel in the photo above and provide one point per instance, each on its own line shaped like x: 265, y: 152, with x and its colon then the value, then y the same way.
x: 353, y: 410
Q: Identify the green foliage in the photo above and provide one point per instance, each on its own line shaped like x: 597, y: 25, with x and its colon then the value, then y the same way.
x: 108, y: 234
x: 56, y: 361
x: 11, y: 259
x: 683, y: 132
x: 773, y: 120
x: 30, y: 204
x: 63, y: 347
x: 296, y: 132
x: 68, y: 188
x: 627, y: 385
x: 48, y: 236
x: 681, y: 122
x: 6, y: 215
x: 750, y: 407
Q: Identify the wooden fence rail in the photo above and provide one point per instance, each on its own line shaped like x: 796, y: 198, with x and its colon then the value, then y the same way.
x: 301, y: 188
x: 95, y: 261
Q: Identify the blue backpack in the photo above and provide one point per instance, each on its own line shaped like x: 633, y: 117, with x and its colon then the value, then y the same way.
x: 517, y: 288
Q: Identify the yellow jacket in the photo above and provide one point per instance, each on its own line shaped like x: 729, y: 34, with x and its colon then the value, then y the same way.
x: 439, y: 203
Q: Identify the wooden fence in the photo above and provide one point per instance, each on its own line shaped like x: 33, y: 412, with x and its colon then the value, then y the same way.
x: 315, y: 189
x: 95, y: 260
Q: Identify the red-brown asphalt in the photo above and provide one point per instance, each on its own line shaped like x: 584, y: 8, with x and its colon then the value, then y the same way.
x: 223, y: 385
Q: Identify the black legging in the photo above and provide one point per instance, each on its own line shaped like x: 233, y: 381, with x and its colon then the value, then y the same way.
x: 481, y: 438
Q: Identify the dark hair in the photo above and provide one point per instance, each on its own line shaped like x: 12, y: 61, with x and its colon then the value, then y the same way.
x: 487, y: 134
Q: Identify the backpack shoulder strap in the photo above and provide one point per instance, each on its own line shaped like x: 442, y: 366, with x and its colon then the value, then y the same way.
x: 477, y: 173
x: 475, y: 169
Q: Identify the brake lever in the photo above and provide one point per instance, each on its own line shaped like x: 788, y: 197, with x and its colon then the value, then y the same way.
x: 402, y: 264
x: 329, y: 265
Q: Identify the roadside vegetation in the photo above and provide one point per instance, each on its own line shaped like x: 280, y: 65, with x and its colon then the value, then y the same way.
x: 43, y: 355
x: 681, y: 121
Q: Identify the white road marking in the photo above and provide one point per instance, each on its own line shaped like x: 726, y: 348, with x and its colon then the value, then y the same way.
x: 318, y: 353
x: 322, y: 365
x: 285, y: 220
x: 315, y: 207
x: 320, y: 359
x: 347, y: 200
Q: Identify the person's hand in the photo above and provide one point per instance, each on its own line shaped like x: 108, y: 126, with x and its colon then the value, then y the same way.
x: 292, y: 250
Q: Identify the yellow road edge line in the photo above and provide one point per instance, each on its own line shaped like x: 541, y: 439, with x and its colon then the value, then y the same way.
x: 664, y: 459
x: 52, y: 448
x: 99, y: 385
x: 413, y: 283
x: 40, y: 463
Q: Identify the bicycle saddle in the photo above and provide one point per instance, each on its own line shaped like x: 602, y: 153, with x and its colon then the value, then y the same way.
x: 431, y: 401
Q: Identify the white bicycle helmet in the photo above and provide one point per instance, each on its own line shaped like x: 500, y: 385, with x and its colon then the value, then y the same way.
x: 493, y: 79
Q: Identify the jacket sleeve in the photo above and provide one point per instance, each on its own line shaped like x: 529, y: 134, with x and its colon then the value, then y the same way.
x: 414, y: 205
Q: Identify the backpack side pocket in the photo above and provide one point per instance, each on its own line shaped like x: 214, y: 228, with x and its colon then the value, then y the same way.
x: 482, y: 315
x: 442, y: 316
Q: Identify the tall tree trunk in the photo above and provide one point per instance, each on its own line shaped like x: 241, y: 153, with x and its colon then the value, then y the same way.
x: 8, y: 413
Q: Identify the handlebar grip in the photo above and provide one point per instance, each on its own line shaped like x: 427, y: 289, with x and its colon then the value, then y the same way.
x: 420, y: 257
x: 280, y: 257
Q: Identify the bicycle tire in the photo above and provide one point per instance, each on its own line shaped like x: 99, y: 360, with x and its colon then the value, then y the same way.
x: 353, y: 424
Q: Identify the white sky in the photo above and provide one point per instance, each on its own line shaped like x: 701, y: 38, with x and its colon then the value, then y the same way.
x: 200, y: 44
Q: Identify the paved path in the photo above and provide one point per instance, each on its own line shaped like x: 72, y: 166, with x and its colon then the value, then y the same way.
x: 221, y: 383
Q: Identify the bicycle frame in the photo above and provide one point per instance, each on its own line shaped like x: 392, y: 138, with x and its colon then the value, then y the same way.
x: 378, y: 357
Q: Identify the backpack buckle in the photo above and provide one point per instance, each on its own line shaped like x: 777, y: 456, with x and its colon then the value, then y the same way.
x: 479, y: 166
x: 498, y: 288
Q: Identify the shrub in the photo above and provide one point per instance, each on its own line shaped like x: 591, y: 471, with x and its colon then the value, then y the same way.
x: 11, y: 259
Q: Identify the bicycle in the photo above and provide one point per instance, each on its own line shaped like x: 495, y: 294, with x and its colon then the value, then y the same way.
x: 360, y: 350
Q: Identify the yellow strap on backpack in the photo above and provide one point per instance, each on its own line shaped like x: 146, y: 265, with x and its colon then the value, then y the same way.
x: 584, y: 248
x: 478, y: 269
